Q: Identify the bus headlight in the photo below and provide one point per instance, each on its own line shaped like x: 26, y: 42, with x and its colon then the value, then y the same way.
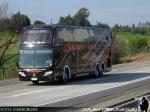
x: 48, y: 73
x: 22, y: 74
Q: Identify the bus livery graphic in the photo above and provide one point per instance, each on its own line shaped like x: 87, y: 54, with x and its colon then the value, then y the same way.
x: 61, y: 52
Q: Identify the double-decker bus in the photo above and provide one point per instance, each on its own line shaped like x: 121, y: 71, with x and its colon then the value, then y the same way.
x: 61, y: 52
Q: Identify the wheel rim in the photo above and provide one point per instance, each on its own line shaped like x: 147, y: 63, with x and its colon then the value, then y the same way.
x: 97, y: 71
x: 65, y: 76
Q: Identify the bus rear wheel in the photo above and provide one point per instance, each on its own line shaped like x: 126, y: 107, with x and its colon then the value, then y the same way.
x: 98, y: 71
x: 35, y: 82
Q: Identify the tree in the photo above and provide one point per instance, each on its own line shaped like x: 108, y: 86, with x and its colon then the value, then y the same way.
x: 68, y: 20
x: 38, y: 22
x: 4, y: 47
x: 81, y: 17
x: 115, y: 28
x: 101, y: 25
x: 18, y: 21
x: 4, y: 20
x: 3, y: 10
x: 4, y: 24
x: 5, y: 56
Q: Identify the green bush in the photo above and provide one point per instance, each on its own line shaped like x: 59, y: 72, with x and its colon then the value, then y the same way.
x: 137, y: 44
x: 118, y: 49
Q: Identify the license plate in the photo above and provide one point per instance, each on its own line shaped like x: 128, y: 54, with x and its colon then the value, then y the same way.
x: 34, y: 79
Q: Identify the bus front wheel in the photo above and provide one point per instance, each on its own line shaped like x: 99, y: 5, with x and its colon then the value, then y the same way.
x: 65, y: 76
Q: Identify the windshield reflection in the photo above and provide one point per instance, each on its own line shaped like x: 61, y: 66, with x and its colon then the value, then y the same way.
x: 35, y: 58
x: 36, y: 36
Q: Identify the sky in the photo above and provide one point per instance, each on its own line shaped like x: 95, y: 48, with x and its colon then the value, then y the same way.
x: 122, y: 12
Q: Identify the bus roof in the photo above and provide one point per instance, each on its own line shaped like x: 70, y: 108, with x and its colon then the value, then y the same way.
x: 56, y: 25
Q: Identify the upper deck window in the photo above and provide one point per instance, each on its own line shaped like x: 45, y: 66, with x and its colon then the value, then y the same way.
x: 36, y: 36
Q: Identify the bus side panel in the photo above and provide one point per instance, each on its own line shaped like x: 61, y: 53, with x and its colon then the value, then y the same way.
x: 81, y: 48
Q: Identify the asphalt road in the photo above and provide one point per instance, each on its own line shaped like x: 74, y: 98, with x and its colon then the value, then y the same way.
x: 78, y: 91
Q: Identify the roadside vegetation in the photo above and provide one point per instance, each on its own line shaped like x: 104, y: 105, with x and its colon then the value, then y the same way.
x: 128, y: 41
x: 8, y: 54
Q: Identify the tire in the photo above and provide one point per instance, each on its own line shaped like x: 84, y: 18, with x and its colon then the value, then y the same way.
x: 98, y: 71
x: 35, y: 82
x: 65, y: 78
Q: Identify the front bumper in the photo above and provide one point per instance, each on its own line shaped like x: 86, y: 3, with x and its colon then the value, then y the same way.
x: 40, y: 77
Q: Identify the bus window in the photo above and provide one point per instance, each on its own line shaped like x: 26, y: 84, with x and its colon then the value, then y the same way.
x: 36, y: 36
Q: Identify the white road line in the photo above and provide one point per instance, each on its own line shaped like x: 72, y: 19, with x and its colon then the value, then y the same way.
x: 114, y: 70
x: 43, y: 90
x: 30, y: 92
x: 37, y: 91
x: 129, y: 82
x: 15, y: 85
x: 139, y: 71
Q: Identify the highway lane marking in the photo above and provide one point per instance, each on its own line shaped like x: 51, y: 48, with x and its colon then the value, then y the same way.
x: 119, y: 85
x: 114, y: 70
x: 38, y: 91
x: 113, y: 86
x: 44, y: 90
x: 15, y: 85
x: 51, y: 88
x: 27, y: 93
x: 30, y: 92
x: 139, y: 71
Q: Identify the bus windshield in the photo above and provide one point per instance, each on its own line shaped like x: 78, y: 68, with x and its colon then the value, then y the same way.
x: 35, y: 58
x: 36, y: 36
